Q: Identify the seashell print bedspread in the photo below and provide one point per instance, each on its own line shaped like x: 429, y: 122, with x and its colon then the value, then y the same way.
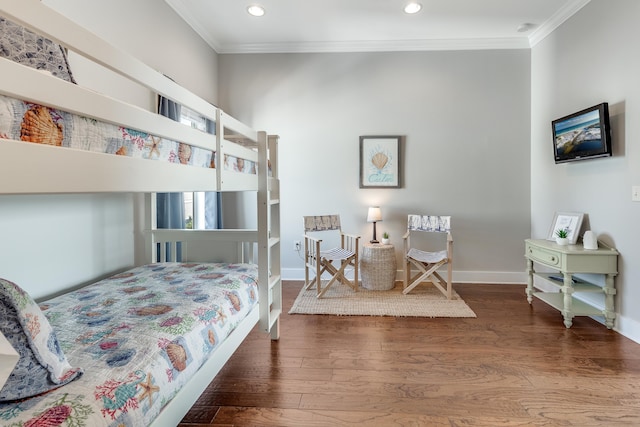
x: 25, y: 121
x: 140, y: 336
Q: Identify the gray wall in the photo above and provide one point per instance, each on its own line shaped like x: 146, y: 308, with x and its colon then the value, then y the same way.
x: 592, y: 58
x: 465, y: 116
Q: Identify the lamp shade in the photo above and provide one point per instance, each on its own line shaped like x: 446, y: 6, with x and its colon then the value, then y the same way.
x: 374, y: 214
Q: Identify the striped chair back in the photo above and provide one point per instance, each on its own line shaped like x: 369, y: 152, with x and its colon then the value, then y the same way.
x: 433, y: 223
x: 321, y: 223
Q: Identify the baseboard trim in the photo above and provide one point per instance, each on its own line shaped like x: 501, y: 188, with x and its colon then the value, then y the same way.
x: 628, y: 327
x: 491, y: 277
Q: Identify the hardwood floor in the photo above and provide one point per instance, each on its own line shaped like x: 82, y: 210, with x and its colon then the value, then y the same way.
x: 513, y: 365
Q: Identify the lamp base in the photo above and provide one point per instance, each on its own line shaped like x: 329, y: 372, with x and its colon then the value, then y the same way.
x: 374, y: 240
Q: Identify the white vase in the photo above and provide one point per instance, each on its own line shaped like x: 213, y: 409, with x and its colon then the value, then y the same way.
x: 385, y: 241
x: 562, y: 241
x: 589, y: 240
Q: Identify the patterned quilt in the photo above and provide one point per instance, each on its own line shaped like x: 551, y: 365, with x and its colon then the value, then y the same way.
x: 25, y: 121
x: 139, y: 336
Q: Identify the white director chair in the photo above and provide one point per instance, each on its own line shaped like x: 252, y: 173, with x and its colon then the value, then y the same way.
x: 333, y: 261
x: 428, y: 263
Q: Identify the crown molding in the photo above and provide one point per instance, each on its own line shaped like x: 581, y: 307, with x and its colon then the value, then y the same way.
x: 183, y: 11
x: 560, y: 17
x: 379, y: 46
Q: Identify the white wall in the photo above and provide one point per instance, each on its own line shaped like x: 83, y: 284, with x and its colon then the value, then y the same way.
x: 465, y: 116
x: 50, y: 242
x: 152, y: 32
x: 53, y: 242
x: 592, y: 58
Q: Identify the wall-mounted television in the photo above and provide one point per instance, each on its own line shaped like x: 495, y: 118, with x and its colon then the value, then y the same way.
x: 582, y: 135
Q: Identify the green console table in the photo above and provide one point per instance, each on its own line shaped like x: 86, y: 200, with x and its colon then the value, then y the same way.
x: 567, y: 261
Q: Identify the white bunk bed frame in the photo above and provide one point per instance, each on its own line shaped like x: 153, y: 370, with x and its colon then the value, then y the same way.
x: 99, y: 172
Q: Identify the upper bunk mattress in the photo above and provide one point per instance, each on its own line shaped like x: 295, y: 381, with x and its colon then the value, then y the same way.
x: 139, y: 336
x: 29, y: 122
x: 24, y: 121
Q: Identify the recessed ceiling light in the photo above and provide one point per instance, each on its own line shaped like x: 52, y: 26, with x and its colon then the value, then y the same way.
x: 255, y: 10
x: 523, y: 28
x: 412, y: 7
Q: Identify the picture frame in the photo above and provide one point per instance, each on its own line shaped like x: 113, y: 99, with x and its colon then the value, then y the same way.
x: 380, y: 161
x: 571, y: 221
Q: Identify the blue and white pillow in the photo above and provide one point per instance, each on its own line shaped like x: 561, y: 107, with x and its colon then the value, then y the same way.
x: 42, y: 365
x: 25, y: 47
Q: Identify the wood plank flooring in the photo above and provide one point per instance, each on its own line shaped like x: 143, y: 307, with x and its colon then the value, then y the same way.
x: 513, y: 365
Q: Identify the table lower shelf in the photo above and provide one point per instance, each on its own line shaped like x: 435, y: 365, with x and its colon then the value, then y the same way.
x: 578, y: 308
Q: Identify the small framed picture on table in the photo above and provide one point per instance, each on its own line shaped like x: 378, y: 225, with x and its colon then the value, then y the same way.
x: 568, y: 223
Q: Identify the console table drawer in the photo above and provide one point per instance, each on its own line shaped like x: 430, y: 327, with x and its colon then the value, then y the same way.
x: 543, y: 256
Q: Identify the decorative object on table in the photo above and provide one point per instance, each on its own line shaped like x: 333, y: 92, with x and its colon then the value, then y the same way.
x: 590, y: 240
x: 569, y: 222
x: 380, y: 161
x: 428, y: 263
x: 424, y: 301
x: 374, y: 215
x: 385, y: 238
x: 561, y: 237
x: 378, y: 266
x: 320, y: 261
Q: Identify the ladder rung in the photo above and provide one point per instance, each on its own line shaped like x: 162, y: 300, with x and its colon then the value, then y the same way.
x: 273, y: 281
x: 273, y: 317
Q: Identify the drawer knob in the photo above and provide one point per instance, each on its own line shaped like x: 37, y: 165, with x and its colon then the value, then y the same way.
x: 553, y: 258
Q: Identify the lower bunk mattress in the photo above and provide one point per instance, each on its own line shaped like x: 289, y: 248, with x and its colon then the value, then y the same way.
x: 139, y: 337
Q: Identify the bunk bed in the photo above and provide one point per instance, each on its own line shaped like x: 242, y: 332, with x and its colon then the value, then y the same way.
x: 136, y: 151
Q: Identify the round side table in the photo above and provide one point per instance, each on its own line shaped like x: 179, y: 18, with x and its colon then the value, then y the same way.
x: 378, y: 266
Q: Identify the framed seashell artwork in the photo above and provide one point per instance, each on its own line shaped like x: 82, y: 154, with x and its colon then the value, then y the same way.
x: 380, y: 161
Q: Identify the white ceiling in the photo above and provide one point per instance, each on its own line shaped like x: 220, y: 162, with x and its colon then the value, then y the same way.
x: 372, y: 25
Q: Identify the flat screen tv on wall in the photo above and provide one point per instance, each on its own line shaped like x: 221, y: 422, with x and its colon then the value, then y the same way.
x: 582, y: 135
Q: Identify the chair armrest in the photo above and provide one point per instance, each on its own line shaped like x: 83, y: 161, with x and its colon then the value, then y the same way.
x: 406, y: 241
x: 311, y: 245
x: 351, y: 236
x: 350, y: 242
x: 311, y: 239
x: 311, y: 250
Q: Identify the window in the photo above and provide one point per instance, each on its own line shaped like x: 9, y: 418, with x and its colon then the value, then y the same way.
x: 195, y: 210
x: 195, y: 203
x: 191, y: 118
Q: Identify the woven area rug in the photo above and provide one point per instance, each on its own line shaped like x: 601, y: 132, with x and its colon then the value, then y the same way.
x: 423, y: 301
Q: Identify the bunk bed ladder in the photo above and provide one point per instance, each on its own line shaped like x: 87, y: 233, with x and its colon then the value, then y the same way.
x: 269, y: 235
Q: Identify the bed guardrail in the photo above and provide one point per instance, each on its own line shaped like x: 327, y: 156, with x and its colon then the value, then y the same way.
x: 173, y: 245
